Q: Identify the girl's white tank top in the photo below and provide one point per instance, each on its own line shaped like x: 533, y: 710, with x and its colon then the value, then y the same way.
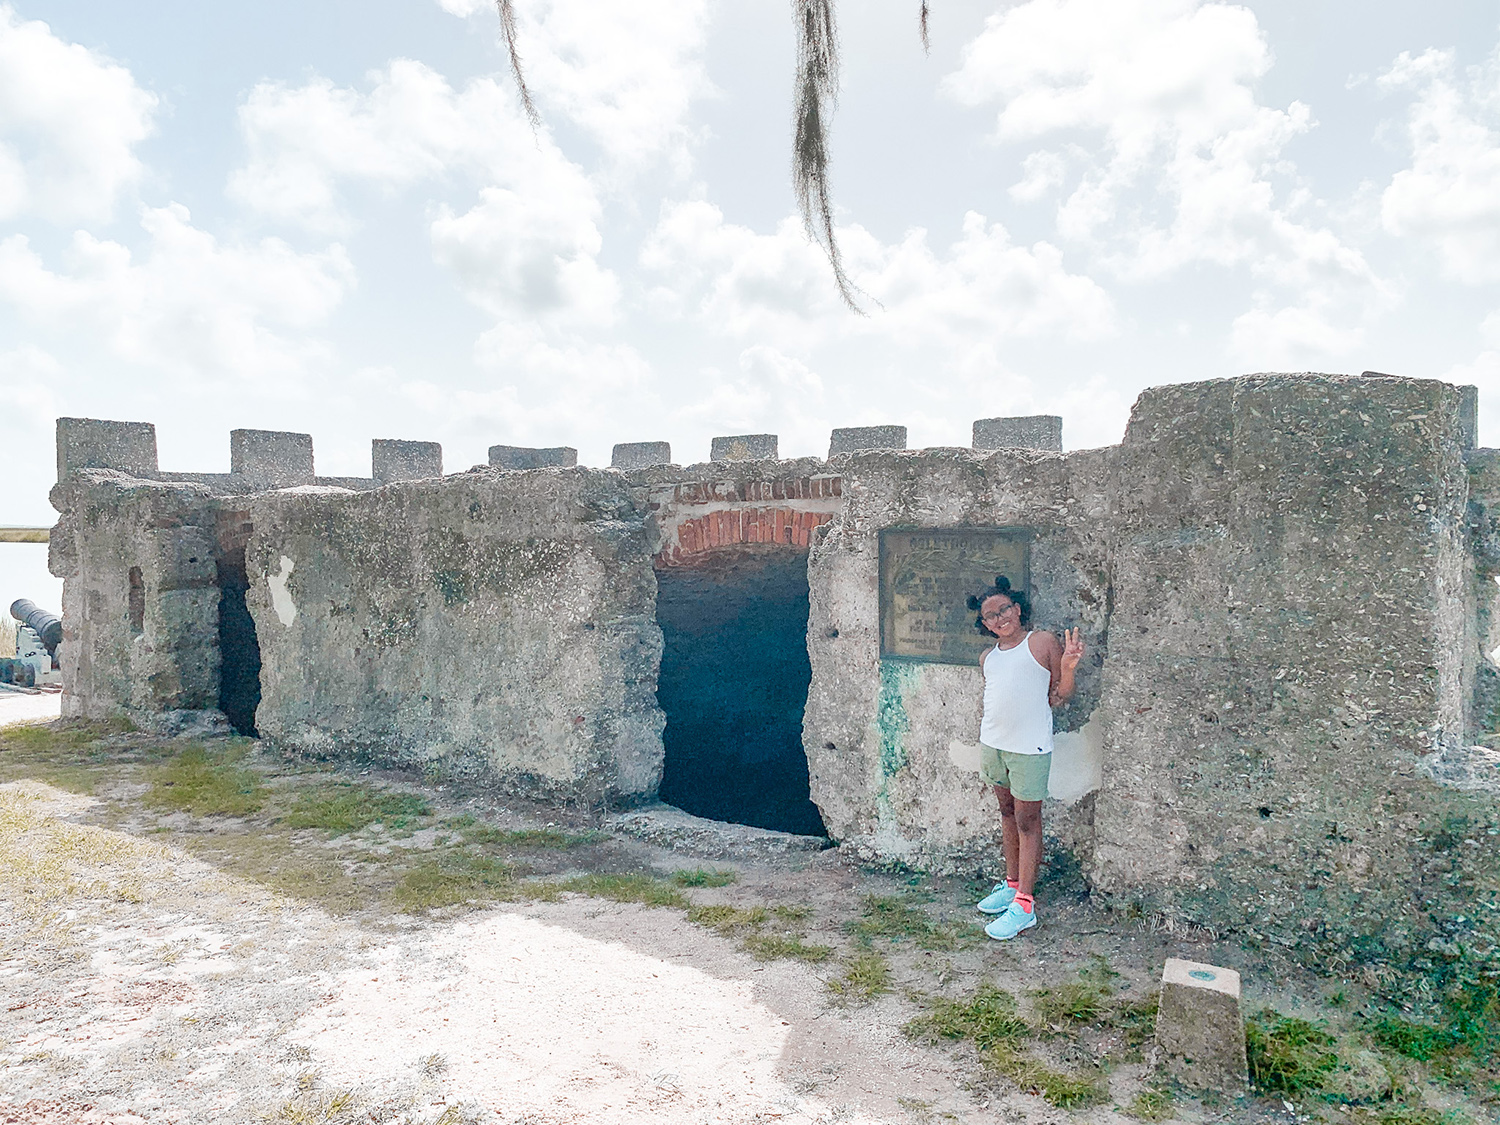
x: 1017, y: 716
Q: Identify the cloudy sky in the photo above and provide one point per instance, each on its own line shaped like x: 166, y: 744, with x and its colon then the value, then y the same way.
x: 332, y: 217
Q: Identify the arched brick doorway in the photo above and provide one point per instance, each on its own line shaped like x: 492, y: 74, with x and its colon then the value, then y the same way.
x: 732, y: 603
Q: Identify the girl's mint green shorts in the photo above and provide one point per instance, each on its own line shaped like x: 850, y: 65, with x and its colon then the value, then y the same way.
x: 1025, y: 775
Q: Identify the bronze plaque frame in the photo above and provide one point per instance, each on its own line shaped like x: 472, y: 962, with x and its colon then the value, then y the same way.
x: 926, y: 576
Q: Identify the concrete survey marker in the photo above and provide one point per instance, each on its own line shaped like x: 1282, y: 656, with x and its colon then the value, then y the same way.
x: 1200, y: 1030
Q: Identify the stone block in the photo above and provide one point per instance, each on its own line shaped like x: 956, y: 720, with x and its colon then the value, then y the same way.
x: 640, y: 455
x: 1034, y: 431
x: 524, y: 457
x: 1468, y: 416
x: 744, y: 447
x: 91, y: 443
x: 271, y: 458
x: 1200, y: 1030
x: 392, y: 460
x: 852, y: 438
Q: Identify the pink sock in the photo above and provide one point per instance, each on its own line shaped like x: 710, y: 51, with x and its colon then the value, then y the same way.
x: 1026, y: 902
x: 1013, y: 884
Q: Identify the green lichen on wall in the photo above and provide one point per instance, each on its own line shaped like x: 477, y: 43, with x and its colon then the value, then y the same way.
x: 893, y: 724
x: 891, y: 719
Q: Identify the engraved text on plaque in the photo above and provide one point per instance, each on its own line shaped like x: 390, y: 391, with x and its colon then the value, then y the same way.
x: 925, y: 579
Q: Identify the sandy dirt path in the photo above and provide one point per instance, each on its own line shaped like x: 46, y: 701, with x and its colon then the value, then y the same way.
x: 142, y: 985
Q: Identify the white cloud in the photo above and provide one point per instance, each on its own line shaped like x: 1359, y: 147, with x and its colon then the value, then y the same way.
x: 1450, y: 194
x: 983, y: 290
x: 519, y: 256
x: 1188, y: 167
x: 191, y: 306
x: 307, y: 142
x: 627, y: 74
x: 69, y: 123
x: 528, y: 247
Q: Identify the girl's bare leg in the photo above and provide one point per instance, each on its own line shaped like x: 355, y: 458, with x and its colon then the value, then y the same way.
x: 1026, y: 823
x: 1010, y: 834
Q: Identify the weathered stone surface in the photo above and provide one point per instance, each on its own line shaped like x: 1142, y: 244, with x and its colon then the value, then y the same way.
x: 157, y: 651
x: 523, y: 457
x: 271, y: 458
x: 1200, y: 1031
x: 851, y: 439
x: 640, y: 455
x: 745, y: 447
x: 491, y: 625
x: 1288, y: 638
x: 393, y: 460
x: 670, y: 827
x: 92, y: 443
x: 1036, y: 431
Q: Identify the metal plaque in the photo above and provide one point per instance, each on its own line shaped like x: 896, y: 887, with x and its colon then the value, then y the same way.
x: 926, y: 578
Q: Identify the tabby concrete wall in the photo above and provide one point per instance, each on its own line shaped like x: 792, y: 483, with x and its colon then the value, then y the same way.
x: 492, y: 625
x: 140, y: 596
x: 1276, y: 579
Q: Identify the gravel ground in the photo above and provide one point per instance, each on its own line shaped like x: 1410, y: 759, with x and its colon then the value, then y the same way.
x: 150, y: 972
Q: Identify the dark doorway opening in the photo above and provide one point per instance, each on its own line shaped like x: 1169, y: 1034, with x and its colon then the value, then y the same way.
x: 239, y: 648
x: 733, y: 685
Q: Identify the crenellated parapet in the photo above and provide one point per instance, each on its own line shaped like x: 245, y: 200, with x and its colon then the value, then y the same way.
x: 259, y: 460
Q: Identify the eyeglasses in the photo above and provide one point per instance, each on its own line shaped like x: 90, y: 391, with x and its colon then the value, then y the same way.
x: 995, y: 614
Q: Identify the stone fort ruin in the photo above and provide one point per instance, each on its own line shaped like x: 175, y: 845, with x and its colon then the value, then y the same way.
x: 1286, y: 583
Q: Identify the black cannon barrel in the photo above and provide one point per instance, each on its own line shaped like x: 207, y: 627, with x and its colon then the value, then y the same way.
x: 45, y: 625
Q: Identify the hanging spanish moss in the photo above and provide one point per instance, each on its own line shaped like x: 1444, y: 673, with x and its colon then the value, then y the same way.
x: 508, y: 29
x: 926, y: 40
x: 815, y: 96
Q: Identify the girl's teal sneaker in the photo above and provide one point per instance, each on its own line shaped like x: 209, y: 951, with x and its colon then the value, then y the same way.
x: 997, y: 900
x: 1011, y: 922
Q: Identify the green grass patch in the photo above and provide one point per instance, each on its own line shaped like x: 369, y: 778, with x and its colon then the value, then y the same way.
x: 776, y: 947
x: 626, y: 888
x: 702, y: 877
x: 342, y: 808
x: 1288, y: 1055
x: 749, y: 924
x: 207, y: 784
x: 1152, y: 1105
x: 989, y: 1017
x: 1422, y: 1115
x: 453, y: 878
x: 1064, y: 1089
x: 898, y: 918
x: 60, y: 734
x: 866, y: 975
x: 1075, y: 1002
x: 1420, y: 1041
x: 991, y: 1020
x: 729, y: 920
x: 487, y: 835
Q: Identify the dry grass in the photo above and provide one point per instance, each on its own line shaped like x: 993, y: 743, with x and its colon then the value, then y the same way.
x: 452, y: 879
x: 46, y: 863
